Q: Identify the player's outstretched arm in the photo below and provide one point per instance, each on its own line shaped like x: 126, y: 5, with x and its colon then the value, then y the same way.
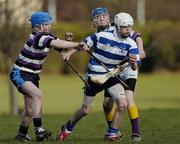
x: 67, y: 54
x: 64, y: 44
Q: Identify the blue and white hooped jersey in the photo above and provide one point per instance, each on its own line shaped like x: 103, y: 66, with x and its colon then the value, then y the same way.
x: 110, y: 49
x: 34, y: 52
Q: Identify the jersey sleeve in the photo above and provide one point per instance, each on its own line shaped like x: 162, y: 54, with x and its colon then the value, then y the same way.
x: 91, y: 40
x: 134, y: 35
x: 134, y: 51
x: 41, y: 41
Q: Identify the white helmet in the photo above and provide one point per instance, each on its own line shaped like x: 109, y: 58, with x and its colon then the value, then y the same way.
x: 123, y: 19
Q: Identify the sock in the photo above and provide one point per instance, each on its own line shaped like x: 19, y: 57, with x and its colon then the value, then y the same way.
x: 109, y: 123
x: 134, y: 117
x: 112, y: 131
x: 110, y: 115
x: 37, y: 123
x: 69, y: 127
x: 23, y: 130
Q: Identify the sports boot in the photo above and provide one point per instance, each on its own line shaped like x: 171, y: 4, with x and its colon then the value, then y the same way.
x: 112, y: 137
x: 42, y: 134
x: 22, y: 137
x: 63, y: 133
x: 136, y: 137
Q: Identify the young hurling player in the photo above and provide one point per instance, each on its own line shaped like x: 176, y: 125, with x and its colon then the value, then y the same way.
x: 111, y: 48
x: 101, y: 22
x: 125, y: 22
x: 26, y: 69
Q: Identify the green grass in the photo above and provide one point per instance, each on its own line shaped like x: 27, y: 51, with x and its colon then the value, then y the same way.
x: 157, y: 127
x: 64, y: 94
x: 157, y: 97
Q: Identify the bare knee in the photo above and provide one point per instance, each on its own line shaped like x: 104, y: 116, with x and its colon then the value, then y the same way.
x: 28, y: 112
x: 37, y: 95
x: 122, y: 105
x: 85, y: 109
x: 107, y: 106
x: 130, y: 97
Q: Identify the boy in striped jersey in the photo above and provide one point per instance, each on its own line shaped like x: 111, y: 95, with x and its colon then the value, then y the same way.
x: 101, y: 22
x: 110, y: 47
x: 26, y: 69
x: 97, y: 15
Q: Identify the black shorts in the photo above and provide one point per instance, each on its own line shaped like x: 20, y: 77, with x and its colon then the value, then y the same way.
x: 19, y: 77
x: 131, y: 84
x: 94, y: 88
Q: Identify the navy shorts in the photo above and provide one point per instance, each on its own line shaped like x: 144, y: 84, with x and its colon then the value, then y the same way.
x: 131, y: 83
x: 18, y: 77
x: 94, y: 88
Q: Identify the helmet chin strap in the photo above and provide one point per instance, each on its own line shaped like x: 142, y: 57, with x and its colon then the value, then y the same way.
x: 39, y: 28
x: 119, y: 34
x: 102, y: 28
x: 123, y: 36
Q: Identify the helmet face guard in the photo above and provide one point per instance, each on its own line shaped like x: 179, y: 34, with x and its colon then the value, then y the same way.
x: 123, y: 23
x: 40, y: 18
x: 100, y: 17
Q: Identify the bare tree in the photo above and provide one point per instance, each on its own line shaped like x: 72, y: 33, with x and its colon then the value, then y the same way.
x: 141, y: 12
x: 52, y: 8
x: 6, y: 45
x: 12, y: 21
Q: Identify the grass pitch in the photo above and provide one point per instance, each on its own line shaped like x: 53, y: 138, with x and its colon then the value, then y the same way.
x: 157, y: 97
x: 157, y: 127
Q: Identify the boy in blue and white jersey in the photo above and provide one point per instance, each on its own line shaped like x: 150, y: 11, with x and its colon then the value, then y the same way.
x: 110, y: 48
x: 26, y: 69
x: 130, y: 77
x: 101, y: 22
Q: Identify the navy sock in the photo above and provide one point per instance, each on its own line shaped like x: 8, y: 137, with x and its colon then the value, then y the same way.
x: 23, y: 130
x: 69, y: 126
x: 37, y: 122
x: 109, y: 123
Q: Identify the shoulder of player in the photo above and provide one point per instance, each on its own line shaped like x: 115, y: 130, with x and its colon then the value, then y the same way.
x: 134, y: 35
x: 39, y: 35
x: 131, y: 42
x: 104, y: 33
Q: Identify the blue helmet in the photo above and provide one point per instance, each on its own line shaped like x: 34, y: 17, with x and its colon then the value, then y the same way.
x: 99, y: 11
x: 39, y: 18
